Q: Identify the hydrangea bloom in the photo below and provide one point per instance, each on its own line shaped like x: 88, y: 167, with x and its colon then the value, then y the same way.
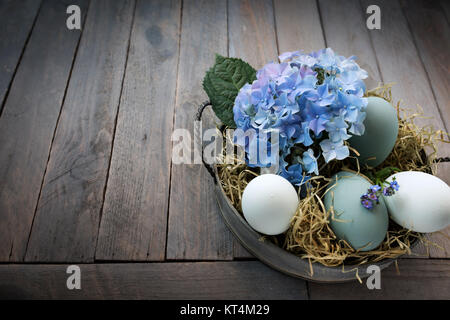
x: 314, y: 101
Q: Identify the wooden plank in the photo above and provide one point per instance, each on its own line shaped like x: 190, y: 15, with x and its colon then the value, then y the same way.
x: 134, y: 218
x: 431, y: 33
x: 28, y: 122
x: 443, y: 171
x: 442, y: 238
x: 251, y: 31
x: 440, y: 244
x: 199, y: 280
x: 67, y: 218
x: 16, y: 20
x: 346, y: 33
x: 418, y: 279
x: 298, y: 26
x: 195, y: 229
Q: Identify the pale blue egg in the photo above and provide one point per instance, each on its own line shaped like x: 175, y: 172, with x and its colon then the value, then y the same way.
x: 381, y: 130
x: 362, y: 228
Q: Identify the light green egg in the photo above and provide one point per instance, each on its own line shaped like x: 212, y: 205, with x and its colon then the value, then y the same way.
x: 362, y: 228
x: 381, y: 130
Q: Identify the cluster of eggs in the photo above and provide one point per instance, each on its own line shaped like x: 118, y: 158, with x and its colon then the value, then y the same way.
x: 422, y: 203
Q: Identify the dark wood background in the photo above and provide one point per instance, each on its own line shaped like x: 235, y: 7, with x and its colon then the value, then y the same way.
x: 86, y: 119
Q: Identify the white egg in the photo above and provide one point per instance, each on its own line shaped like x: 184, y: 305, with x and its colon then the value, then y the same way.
x: 421, y: 204
x: 269, y: 202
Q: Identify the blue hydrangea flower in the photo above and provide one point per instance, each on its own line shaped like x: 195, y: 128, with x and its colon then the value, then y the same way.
x: 334, y: 150
x: 317, y: 116
x: 321, y: 97
x: 298, y: 83
x: 306, y: 98
x: 288, y: 55
x: 294, y: 174
x: 310, y: 162
x: 337, y: 129
x: 357, y: 127
x: 303, y: 135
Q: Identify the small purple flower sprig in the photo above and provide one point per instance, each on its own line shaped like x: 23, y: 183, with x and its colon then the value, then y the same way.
x: 381, y: 187
x: 372, y: 197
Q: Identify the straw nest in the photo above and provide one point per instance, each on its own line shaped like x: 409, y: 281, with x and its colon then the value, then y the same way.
x: 309, y: 235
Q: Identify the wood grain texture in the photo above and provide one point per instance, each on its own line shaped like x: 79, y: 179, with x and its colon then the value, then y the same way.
x: 199, y: 280
x: 431, y: 33
x: 443, y: 171
x: 16, y: 19
x: 67, y: 218
x: 418, y: 279
x: 195, y: 229
x: 134, y: 218
x: 298, y: 25
x: 28, y: 122
x: 252, y: 38
x: 400, y: 63
x: 442, y: 238
x: 347, y: 34
x: 251, y: 31
x: 440, y: 244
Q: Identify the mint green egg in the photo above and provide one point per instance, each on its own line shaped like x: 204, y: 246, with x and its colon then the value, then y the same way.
x: 362, y: 228
x: 381, y: 130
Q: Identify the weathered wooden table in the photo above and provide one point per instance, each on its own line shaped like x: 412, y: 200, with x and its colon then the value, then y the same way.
x: 86, y: 118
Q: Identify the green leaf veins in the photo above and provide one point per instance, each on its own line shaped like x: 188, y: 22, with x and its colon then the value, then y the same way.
x: 222, y: 84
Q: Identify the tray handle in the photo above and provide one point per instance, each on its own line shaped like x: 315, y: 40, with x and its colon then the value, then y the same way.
x: 198, y: 117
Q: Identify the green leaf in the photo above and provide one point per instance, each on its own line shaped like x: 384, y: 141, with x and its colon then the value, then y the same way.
x: 222, y: 84
x: 383, y: 174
